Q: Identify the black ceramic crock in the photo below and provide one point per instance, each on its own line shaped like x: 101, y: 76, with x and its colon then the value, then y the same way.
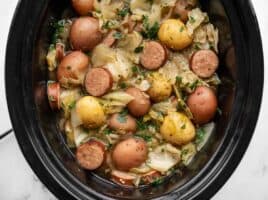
x: 43, y: 145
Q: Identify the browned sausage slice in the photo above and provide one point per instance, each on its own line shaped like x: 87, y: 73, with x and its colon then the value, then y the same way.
x: 98, y: 81
x: 122, y: 178
x: 53, y: 93
x: 109, y: 40
x: 59, y: 51
x: 154, y: 55
x: 204, y: 63
x: 90, y: 155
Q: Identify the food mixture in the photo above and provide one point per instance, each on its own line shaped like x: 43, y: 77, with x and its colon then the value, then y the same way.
x: 136, y: 86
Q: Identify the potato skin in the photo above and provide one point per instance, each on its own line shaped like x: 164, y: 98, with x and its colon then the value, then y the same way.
x: 83, y: 7
x: 160, y: 88
x: 129, y: 153
x: 90, y: 112
x: 203, y: 104
x: 173, y: 33
x: 85, y: 33
x: 177, y: 129
x: 72, y: 69
x: 140, y: 105
x: 128, y: 125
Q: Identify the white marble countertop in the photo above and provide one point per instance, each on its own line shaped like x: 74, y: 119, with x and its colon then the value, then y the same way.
x: 18, y: 182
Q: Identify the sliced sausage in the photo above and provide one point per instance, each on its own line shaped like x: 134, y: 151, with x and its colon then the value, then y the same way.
x: 109, y: 40
x: 154, y: 55
x: 123, y: 178
x: 72, y: 69
x: 98, y: 81
x: 204, y: 63
x: 182, y: 8
x: 53, y: 93
x: 83, y: 7
x: 151, y: 176
x: 59, y: 51
x: 126, y: 123
x: 85, y: 33
x: 203, y: 104
x: 129, y: 153
x: 140, y: 105
x: 90, y: 155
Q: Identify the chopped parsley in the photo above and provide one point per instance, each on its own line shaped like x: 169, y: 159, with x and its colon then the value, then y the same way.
x: 149, y: 31
x: 137, y: 70
x: 118, y: 35
x: 71, y: 105
x: 107, y: 25
x: 200, y: 135
x: 122, y: 116
x: 194, y: 85
x: 184, y: 152
x: 157, y: 182
x: 59, y: 28
x: 178, y: 79
x: 183, y: 126
x: 123, y: 12
x: 139, y: 49
x: 123, y: 85
x: 141, y: 125
x: 107, y: 131
x: 147, y: 138
x: 192, y: 20
x: 181, y: 29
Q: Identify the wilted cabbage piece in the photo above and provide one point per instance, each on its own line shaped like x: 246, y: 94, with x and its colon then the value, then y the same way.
x: 164, y: 157
x: 196, y: 18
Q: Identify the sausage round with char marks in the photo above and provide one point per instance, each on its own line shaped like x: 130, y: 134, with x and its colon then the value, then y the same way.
x: 98, y: 81
x: 90, y: 155
x: 154, y: 55
x: 204, y: 63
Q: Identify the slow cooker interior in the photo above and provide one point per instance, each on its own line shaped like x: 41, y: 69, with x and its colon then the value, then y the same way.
x: 55, y: 139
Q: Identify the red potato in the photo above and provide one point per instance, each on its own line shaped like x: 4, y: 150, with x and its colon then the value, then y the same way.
x: 129, y: 153
x: 90, y: 155
x: 72, y: 69
x: 53, y: 93
x: 83, y: 7
x: 203, y: 104
x: 109, y: 40
x: 140, y: 105
x: 98, y: 81
x: 122, y: 178
x: 85, y: 33
x: 151, y: 176
x: 181, y: 10
x: 59, y: 51
x: 204, y: 63
x: 127, y: 125
x: 154, y: 55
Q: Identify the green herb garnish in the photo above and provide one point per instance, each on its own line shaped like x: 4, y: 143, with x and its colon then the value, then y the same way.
x: 183, y: 126
x: 107, y: 25
x: 200, y: 135
x: 139, y: 49
x: 59, y: 28
x: 192, y: 20
x: 71, y: 105
x: 194, y: 85
x: 147, y: 138
x: 118, y: 35
x: 157, y: 182
x: 141, y: 125
x: 107, y: 131
x: 149, y: 32
x: 123, y: 85
x: 123, y: 12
